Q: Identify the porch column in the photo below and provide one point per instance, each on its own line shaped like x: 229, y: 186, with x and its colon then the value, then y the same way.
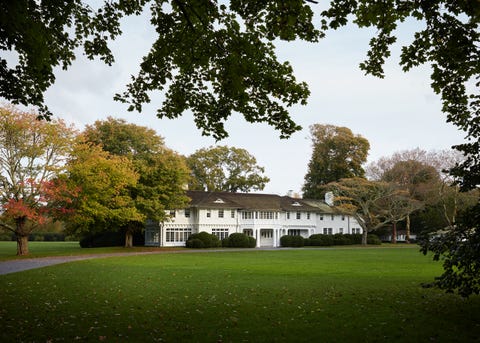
x: 257, y: 237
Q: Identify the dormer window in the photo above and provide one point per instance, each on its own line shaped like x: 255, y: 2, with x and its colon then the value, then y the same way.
x: 296, y: 203
x: 219, y: 201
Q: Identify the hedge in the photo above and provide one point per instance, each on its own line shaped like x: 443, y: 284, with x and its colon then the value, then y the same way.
x: 110, y: 239
x: 209, y: 240
x: 239, y: 240
x: 292, y: 241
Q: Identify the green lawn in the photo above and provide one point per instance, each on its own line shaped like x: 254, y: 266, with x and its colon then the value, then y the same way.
x: 8, y: 250
x: 310, y: 295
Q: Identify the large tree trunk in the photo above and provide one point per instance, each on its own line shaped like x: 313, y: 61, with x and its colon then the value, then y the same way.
x: 407, y: 238
x: 128, y: 238
x: 21, y: 236
x: 394, y: 233
x: 364, y: 237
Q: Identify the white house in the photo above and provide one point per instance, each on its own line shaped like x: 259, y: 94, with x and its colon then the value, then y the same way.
x: 266, y: 217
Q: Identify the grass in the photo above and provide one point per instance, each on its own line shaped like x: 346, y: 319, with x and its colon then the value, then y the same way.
x: 8, y: 250
x: 332, y: 295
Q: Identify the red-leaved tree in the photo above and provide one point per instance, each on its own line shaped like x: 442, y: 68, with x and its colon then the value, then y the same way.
x: 32, y: 153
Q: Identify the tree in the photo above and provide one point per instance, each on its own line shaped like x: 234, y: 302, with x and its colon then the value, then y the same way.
x: 363, y: 200
x: 102, y: 181
x: 337, y: 154
x: 215, y: 58
x: 163, y: 174
x: 424, y: 174
x: 397, y: 207
x: 124, y: 139
x: 32, y: 153
x: 224, y: 168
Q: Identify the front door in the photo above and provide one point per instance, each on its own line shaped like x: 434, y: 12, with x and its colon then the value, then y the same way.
x: 266, y: 237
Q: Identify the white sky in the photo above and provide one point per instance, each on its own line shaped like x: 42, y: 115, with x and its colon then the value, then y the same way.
x: 396, y: 113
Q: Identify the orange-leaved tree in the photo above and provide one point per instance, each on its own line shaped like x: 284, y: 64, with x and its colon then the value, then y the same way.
x: 32, y: 153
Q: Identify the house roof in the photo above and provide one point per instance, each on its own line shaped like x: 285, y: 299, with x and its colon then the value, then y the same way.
x: 252, y: 201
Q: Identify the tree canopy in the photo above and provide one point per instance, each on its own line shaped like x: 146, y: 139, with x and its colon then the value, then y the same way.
x: 337, y: 154
x: 218, y: 57
x: 163, y: 174
x: 103, y: 181
x: 32, y: 154
x: 223, y: 168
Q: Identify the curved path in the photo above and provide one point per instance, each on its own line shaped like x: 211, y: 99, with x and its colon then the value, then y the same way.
x: 13, y: 266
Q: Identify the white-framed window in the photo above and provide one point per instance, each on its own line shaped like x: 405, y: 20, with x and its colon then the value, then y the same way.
x: 356, y: 230
x: 308, y: 215
x: 187, y: 213
x: 321, y: 217
x: 294, y: 232
x: 340, y: 230
x: 327, y: 231
x: 232, y: 213
x: 248, y: 232
x: 209, y: 213
x: 299, y: 215
x: 333, y: 217
x: 247, y: 215
x: 220, y: 233
x: 220, y: 213
x: 172, y: 213
x: 176, y: 234
x: 266, y: 233
x: 266, y: 215
x: 343, y: 217
x: 288, y: 215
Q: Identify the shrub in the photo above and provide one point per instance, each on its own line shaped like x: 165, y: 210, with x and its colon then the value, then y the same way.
x: 209, y: 240
x: 291, y: 241
x: 356, y: 238
x: 341, y: 239
x: 373, y: 239
x: 110, y: 239
x: 286, y: 241
x: 195, y: 243
x: 252, y: 242
x: 321, y: 240
x: 237, y: 240
x: 7, y: 236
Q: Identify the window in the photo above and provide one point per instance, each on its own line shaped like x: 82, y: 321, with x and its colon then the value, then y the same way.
x: 321, y: 217
x: 220, y: 213
x: 340, y: 230
x: 177, y: 234
x: 299, y: 215
x: 292, y: 232
x: 333, y: 217
x: 220, y: 233
x: 172, y: 213
x: 266, y: 233
x: 325, y: 231
x: 308, y: 215
x: 265, y: 215
x: 187, y: 213
x: 288, y: 215
x: 209, y: 213
x: 248, y: 232
x: 232, y: 213
x: 330, y: 231
x: 356, y: 230
x: 247, y: 215
x: 343, y: 217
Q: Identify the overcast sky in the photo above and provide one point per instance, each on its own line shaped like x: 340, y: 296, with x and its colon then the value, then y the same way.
x: 396, y: 113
